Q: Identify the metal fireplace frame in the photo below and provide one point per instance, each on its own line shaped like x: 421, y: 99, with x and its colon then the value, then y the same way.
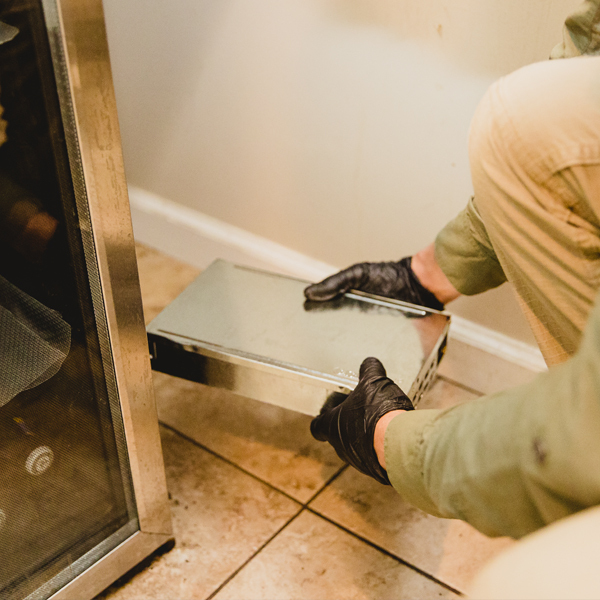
x: 82, y: 72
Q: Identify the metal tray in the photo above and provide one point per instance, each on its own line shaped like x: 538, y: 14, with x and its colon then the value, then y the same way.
x: 252, y: 332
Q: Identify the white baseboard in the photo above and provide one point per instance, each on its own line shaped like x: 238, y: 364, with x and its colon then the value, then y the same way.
x: 498, y: 344
x: 197, y: 239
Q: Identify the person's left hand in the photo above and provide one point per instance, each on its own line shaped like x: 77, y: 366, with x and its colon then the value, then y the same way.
x: 349, y: 425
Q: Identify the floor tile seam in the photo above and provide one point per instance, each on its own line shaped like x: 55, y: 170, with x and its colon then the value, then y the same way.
x: 302, y: 507
x: 462, y: 386
x: 326, y: 485
x: 385, y: 551
x: 255, y: 553
x: 242, y: 469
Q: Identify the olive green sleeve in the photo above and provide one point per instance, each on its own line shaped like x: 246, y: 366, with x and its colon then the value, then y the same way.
x: 581, y: 32
x: 511, y: 462
x: 464, y: 253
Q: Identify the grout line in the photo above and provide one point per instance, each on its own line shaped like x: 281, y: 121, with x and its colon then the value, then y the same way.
x: 460, y: 385
x: 256, y: 477
x: 258, y: 551
x: 229, y: 462
x: 386, y: 552
x: 303, y: 506
x: 330, y: 480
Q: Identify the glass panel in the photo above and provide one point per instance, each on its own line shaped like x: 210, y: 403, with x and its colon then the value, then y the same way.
x: 64, y: 476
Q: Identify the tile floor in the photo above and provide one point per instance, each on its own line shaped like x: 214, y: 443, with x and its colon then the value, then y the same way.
x: 263, y: 511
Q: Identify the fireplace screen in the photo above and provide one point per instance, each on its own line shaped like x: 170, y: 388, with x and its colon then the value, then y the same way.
x: 67, y: 497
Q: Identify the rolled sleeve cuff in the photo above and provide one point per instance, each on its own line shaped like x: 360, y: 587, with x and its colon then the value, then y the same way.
x: 404, y: 448
x: 465, y: 254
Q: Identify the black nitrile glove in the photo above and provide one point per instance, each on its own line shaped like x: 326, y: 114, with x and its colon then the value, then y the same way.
x: 349, y: 425
x: 390, y: 279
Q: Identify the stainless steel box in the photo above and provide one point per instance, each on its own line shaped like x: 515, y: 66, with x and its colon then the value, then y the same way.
x: 252, y: 332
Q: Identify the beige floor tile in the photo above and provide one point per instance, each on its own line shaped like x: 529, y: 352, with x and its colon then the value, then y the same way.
x: 481, y: 370
x: 162, y: 279
x: 444, y: 394
x: 312, y: 558
x: 452, y: 551
x: 273, y: 443
x: 229, y: 514
x: 221, y: 516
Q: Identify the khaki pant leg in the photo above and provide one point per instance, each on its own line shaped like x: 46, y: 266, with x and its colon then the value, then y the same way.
x: 535, y: 160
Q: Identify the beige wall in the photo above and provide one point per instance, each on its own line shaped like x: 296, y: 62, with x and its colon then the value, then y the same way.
x: 335, y: 127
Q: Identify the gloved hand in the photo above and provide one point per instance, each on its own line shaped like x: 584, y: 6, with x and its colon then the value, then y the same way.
x: 348, y: 422
x: 390, y: 279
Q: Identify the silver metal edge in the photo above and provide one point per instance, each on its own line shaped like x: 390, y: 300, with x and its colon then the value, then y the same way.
x: 117, y: 562
x: 259, y: 363
x: 421, y: 385
x: 306, y: 397
x: 393, y: 303
x: 79, y: 566
x: 94, y: 106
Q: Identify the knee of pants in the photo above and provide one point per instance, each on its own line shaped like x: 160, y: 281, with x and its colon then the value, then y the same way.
x: 497, y: 139
x: 532, y: 124
x: 489, y: 149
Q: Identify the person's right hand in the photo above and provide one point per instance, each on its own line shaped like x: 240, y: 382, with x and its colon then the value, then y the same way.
x: 349, y: 423
x: 390, y: 279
